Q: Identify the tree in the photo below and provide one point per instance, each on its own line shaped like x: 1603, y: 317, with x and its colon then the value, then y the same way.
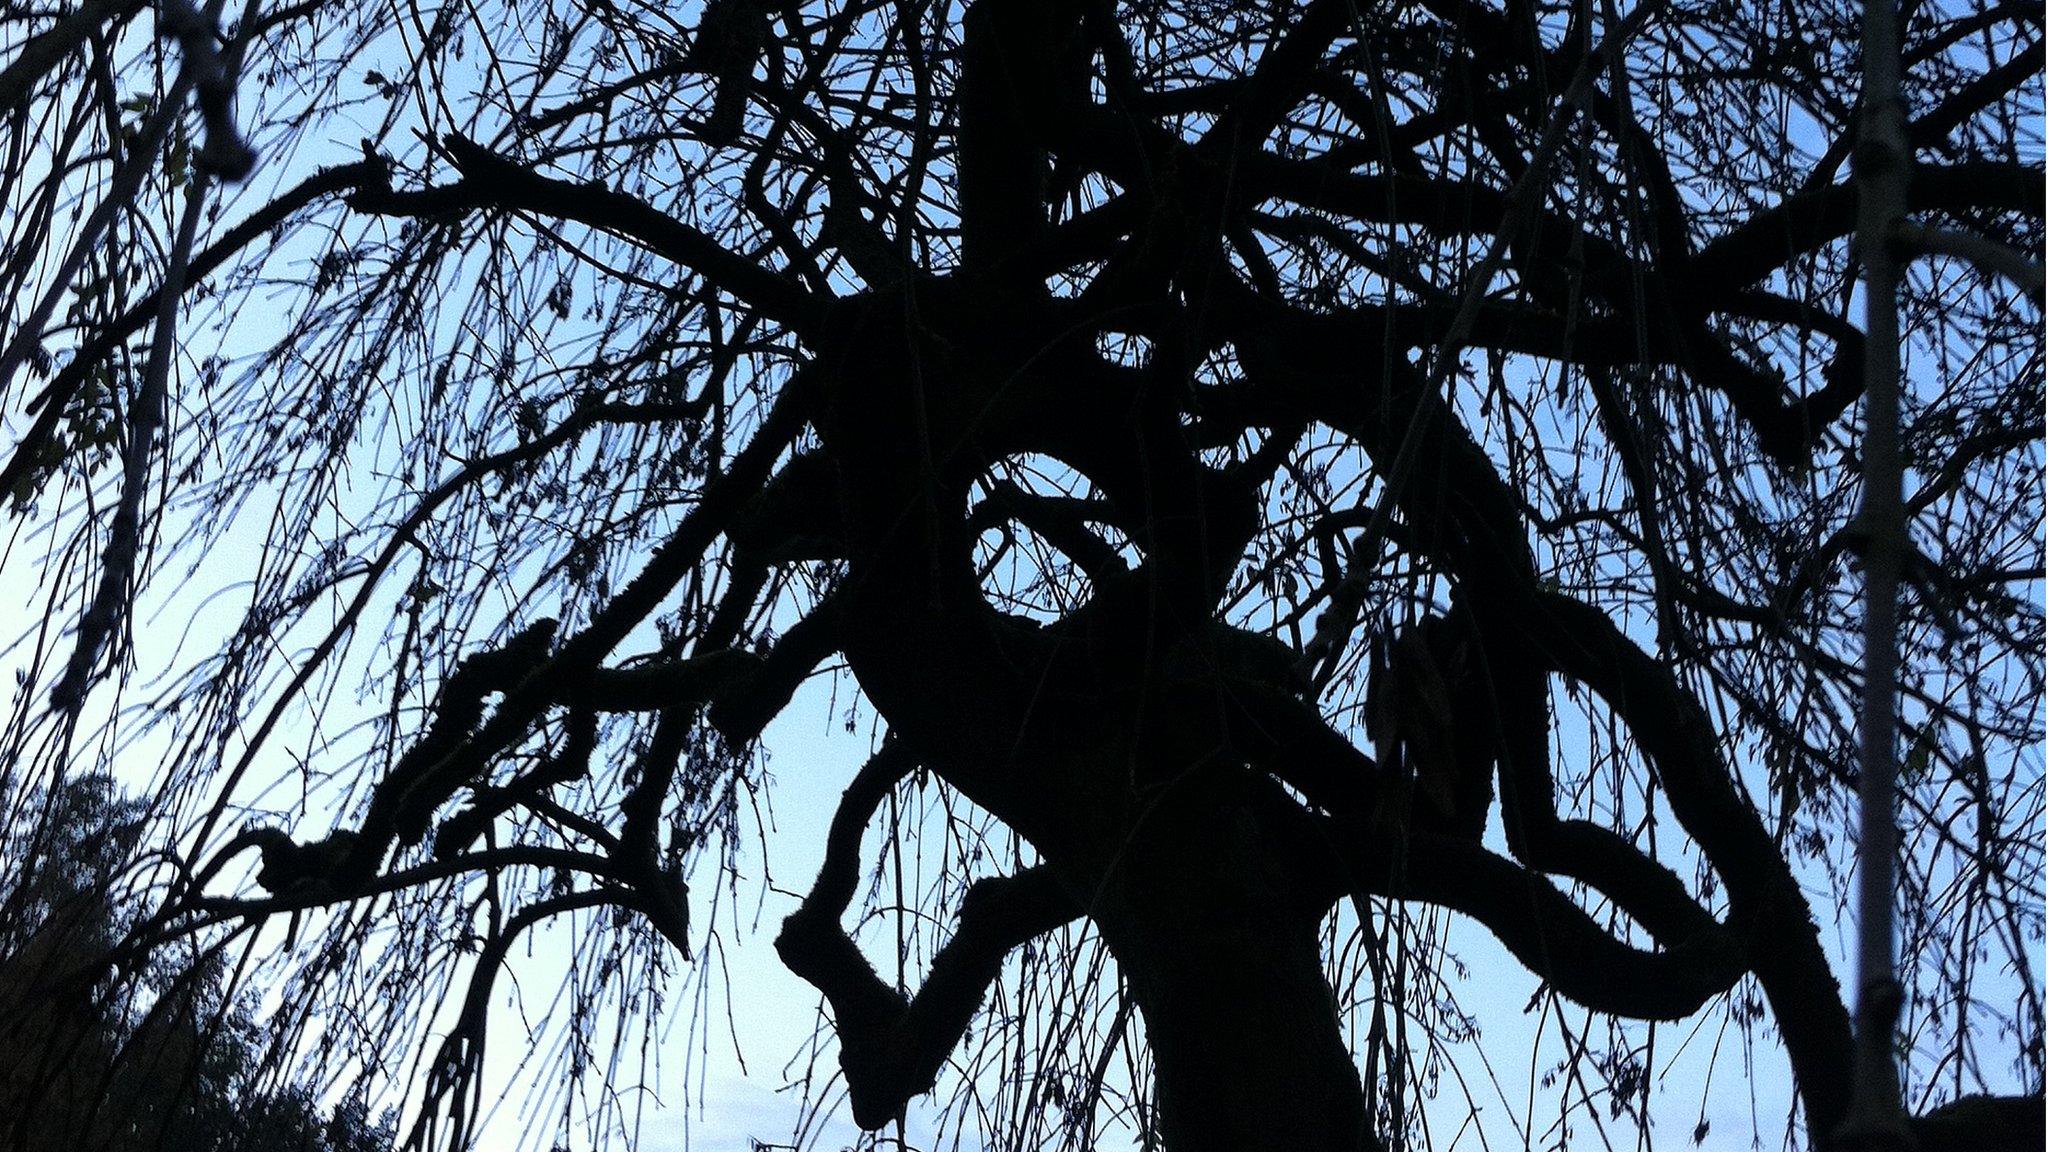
x: 179, y: 1069
x: 1268, y: 471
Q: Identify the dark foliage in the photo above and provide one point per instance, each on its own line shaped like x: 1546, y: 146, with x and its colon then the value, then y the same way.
x: 168, y: 1061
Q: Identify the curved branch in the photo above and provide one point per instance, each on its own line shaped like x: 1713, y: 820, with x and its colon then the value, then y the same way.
x: 744, y: 705
x: 219, y: 910
x: 460, y: 744
x: 1284, y: 75
x: 406, y: 535
x: 892, y: 1047
x: 445, y: 758
x: 494, y: 181
x: 35, y: 57
x: 1983, y: 1124
x: 1552, y: 936
x: 1463, y: 512
x: 1062, y: 520
x: 1804, y: 222
x: 459, y: 1061
x: 1676, y: 735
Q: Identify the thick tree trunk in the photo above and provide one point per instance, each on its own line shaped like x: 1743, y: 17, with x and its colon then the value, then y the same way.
x: 1244, y: 1038
x: 1077, y: 739
x: 1219, y: 947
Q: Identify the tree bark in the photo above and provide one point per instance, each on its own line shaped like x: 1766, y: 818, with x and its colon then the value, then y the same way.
x: 1218, y: 941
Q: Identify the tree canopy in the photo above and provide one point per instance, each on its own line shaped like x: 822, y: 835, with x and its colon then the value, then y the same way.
x: 1273, y: 480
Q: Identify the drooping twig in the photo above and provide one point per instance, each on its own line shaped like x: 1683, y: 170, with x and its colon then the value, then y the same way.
x: 210, y: 76
x: 224, y: 154
x: 145, y: 416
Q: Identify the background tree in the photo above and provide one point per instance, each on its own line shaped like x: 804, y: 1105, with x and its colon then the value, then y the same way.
x: 167, y: 1061
x: 1268, y: 472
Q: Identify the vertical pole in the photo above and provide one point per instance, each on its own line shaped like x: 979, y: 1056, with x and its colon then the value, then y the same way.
x: 1882, y: 169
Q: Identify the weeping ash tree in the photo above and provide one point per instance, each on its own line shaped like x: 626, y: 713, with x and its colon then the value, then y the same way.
x: 1277, y: 487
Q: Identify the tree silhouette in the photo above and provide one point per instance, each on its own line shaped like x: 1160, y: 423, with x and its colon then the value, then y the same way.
x: 179, y: 1067
x: 1268, y: 473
